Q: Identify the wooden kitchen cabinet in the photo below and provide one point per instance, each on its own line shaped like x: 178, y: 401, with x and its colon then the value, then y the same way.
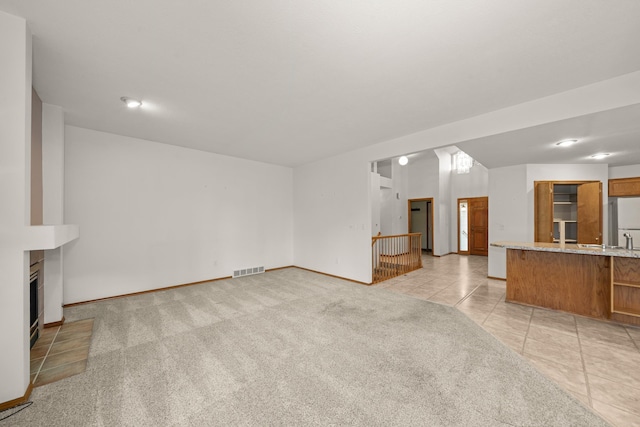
x: 570, y: 282
x: 572, y: 209
x: 593, y: 282
x: 625, y: 287
x: 624, y: 187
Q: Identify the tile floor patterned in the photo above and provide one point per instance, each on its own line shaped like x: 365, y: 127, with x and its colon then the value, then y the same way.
x: 595, y: 361
x: 61, y: 352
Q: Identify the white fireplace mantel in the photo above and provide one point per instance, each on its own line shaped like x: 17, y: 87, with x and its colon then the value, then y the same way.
x: 50, y: 236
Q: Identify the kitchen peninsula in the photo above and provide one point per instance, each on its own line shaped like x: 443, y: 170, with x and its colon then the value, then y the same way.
x: 589, y: 280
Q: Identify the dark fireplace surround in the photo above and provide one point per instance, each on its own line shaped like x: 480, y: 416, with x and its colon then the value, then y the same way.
x: 36, y: 300
x: 33, y: 308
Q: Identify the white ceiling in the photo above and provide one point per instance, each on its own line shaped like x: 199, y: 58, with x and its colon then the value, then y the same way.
x: 289, y: 82
x: 616, y: 132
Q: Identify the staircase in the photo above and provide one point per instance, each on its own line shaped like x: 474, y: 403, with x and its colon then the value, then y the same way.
x: 395, y: 255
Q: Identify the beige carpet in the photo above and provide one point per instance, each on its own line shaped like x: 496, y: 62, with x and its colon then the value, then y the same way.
x: 291, y: 347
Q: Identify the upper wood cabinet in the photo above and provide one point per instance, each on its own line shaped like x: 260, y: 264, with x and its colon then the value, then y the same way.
x: 543, y: 205
x: 624, y: 187
x: 590, y: 212
x: 569, y: 209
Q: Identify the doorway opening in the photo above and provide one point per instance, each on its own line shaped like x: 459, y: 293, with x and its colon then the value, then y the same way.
x: 420, y: 217
x: 473, y: 226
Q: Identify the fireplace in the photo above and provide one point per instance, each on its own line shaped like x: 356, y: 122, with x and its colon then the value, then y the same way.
x: 34, y: 332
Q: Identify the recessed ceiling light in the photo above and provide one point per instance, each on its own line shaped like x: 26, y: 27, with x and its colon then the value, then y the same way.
x: 131, y: 103
x: 403, y: 160
x: 566, y: 142
x: 600, y: 156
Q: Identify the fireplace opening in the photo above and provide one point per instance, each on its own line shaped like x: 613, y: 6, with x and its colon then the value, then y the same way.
x: 34, y: 333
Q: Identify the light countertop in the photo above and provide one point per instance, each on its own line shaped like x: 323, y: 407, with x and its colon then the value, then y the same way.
x: 570, y: 248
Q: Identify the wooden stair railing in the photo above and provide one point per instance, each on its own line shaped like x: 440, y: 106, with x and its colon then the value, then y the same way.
x: 395, y: 255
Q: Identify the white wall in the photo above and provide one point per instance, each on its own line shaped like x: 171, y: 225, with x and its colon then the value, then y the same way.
x: 376, y: 200
x: 15, y: 171
x: 442, y: 208
x: 387, y: 205
x: 423, y: 183
x: 399, y: 219
x: 508, y: 213
x: 630, y: 171
x: 391, y: 203
x: 155, y: 215
x: 384, y: 168
x: 423, y: 176
x: 53, y: 207
x: 332, y: 211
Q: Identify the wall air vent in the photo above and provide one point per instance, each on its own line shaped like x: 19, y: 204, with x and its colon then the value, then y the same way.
x: 248, y: 271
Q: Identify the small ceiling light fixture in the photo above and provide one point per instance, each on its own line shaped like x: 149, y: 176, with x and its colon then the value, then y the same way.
x: 403, y: 160
x: 461, y: 162
x: 566, y: 142
x: 600, y: 156
x: 131, y: 103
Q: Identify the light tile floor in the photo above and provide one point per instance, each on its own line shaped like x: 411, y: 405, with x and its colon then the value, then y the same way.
x: 61, y: 352
x: 597, y: 362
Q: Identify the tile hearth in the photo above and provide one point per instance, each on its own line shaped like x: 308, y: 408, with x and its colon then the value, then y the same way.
x: 61, y: 352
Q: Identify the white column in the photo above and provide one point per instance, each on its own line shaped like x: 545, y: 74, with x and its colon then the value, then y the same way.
x: 442, y: 236
x: 53, y: 206
x: 15, y: 155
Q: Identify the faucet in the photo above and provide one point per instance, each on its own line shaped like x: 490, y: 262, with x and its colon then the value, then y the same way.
x: 629, y: 245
